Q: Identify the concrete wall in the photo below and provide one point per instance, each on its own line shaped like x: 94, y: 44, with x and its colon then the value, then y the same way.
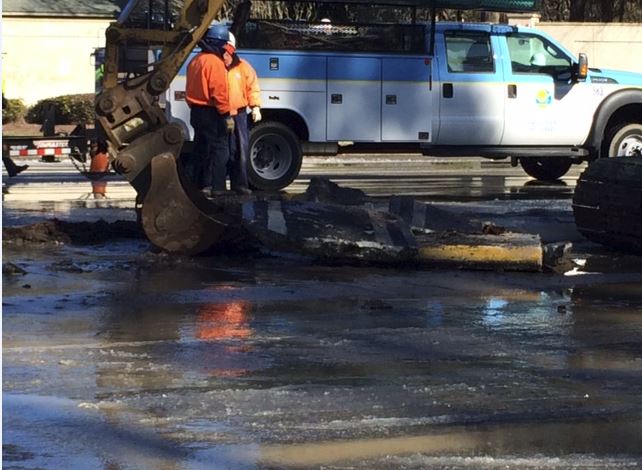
x: 609, y: 46
x: 45, y: 57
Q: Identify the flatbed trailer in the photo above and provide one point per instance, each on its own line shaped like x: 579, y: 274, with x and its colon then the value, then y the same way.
x: 47, y: 148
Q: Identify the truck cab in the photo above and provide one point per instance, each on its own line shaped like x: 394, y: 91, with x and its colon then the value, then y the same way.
x: 497, y: 91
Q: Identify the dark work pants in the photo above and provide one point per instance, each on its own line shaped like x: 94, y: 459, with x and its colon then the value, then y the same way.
x: 207, y: 165
x: 239, y: 149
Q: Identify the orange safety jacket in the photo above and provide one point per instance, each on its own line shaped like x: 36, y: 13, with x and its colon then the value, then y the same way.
x: 243, y: 86
x: 207, y: 84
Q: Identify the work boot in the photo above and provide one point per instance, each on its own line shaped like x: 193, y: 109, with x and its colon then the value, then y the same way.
x: 20, y: 168
x: 12, y: 168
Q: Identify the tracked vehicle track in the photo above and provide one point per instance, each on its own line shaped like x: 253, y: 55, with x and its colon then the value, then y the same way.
x: 608, y: 203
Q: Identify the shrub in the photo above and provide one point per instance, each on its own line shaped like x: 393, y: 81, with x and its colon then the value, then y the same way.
x: 69, y: 109
x: 14, y: 111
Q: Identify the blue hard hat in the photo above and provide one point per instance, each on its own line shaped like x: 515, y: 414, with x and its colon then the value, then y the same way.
x: 217, y: 33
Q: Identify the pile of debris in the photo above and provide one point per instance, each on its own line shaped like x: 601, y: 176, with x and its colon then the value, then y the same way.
x: 341, y: 225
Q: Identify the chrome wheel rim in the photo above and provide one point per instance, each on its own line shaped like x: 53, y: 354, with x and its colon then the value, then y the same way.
x: 630, y: 146
x: 271, y: 156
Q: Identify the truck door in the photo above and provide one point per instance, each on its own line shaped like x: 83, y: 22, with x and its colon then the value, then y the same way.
x: 471, y: 103
x: 406, y: 100
x: 353, y: 99
x: 543, y: 105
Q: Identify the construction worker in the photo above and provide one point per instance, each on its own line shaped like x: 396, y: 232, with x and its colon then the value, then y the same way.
x: 244, y: 93
x: 210, y: 114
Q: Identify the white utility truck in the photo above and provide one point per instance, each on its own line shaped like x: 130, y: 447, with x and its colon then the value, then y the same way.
x: 496, y: 91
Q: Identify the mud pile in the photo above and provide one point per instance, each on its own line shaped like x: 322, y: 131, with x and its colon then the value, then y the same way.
x: 57, y: 231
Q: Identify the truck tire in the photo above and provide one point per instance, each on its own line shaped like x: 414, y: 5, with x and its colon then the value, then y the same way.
x: 607, y: 203
x: 275, y: 156
x: 624, y: 140
x: 546, y: 169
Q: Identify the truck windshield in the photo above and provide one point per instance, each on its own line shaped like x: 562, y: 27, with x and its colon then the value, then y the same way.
x: 535, y: 54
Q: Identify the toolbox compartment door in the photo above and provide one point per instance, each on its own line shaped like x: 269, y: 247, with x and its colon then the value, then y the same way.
x: 353, y: 99
x: 406, y: 100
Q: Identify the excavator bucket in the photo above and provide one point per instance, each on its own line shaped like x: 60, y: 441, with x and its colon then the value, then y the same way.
x: 181, y: 220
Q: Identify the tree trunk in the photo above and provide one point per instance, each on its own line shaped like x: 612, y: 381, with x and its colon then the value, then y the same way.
x: 578, y: 10
x: 607, y: 11
x: 622, y: 10
x: 490, y: 17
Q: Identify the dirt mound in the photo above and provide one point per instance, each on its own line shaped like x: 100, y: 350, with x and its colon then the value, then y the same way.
x: 61, y: 232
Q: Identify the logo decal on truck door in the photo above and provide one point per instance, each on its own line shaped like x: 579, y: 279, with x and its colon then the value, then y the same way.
x: 543, y: 98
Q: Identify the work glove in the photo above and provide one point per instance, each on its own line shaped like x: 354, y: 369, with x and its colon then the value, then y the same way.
x: 256, y: 114
x: 229, y: 124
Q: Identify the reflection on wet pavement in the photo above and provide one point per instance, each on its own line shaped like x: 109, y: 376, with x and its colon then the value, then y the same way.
x: 239, y: 363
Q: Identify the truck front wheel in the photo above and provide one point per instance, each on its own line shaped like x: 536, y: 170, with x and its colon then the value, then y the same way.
x: 546, y: 169
x: 624, y: 140
x: 275, y: 156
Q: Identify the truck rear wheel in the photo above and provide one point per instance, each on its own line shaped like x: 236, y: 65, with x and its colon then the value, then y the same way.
x: 546, y: 169
x: 275, y: 156
x: 624, y: 140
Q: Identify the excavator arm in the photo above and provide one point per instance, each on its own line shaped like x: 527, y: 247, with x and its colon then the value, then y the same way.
x: 143, y: 146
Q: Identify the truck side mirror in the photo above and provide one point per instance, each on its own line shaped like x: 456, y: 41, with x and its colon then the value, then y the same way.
x: 582, y: 67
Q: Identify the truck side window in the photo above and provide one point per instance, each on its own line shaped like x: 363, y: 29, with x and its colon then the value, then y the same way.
x: 469, y: 51
x: 536, y: 54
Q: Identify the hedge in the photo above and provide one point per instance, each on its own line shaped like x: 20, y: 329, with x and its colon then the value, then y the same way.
x: 14, y: 111
x: 69, y: 109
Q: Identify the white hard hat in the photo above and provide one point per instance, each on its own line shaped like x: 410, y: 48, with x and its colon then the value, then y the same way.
x: 231, y: 40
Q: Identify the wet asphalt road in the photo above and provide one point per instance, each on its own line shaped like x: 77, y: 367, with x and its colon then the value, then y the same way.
x: 377, y: 175
x: 115, y: 357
